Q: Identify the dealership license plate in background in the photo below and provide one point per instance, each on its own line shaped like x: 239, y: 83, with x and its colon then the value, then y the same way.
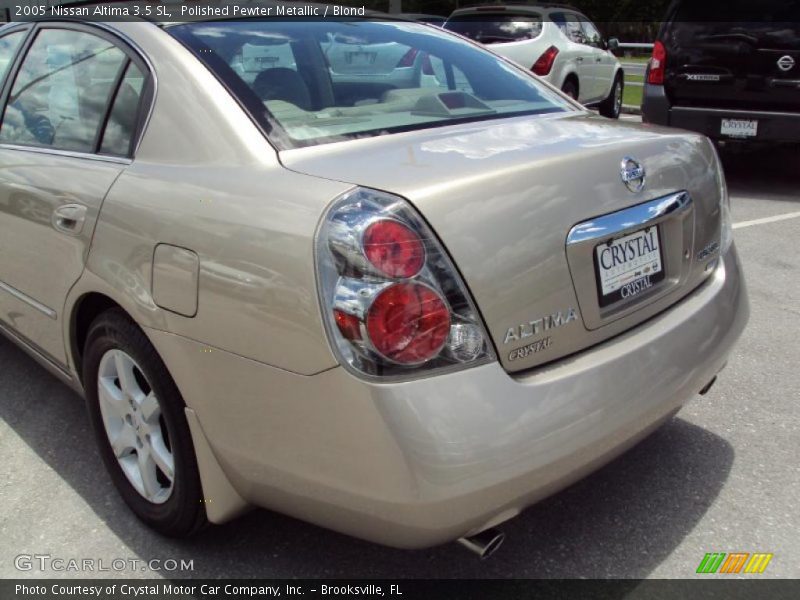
x: 739, y: 127
x: 628, y: 266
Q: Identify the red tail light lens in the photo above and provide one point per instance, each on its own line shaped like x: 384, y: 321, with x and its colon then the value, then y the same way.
x: 393, y: 303
x: 658, y: 63
x: 544, y: 63
x: 408, y: 323
x: 394, y: 249
x: 408, y: 59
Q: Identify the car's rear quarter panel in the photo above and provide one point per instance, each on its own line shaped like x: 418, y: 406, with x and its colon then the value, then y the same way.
x: 206, y: 179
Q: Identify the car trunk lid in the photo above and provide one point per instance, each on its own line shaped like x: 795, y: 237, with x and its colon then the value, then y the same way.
x: 503, y: 197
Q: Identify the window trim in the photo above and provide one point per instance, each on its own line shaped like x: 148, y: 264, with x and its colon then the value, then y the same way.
x: 132, y: 54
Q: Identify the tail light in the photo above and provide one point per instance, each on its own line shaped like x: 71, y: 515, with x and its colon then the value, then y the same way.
x: 408, y: 59
x: 544, y: 63
x: 658, y: 63
x: 392, y: 301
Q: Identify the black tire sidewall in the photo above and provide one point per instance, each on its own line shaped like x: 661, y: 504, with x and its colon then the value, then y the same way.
x: 183, y: 512
x: 608, y: 107
x: 570, y: 85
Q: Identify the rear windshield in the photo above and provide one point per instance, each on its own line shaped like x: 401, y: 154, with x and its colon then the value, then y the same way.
x: 496, y: 28
x: 766, y: 23
x: 313, y: 82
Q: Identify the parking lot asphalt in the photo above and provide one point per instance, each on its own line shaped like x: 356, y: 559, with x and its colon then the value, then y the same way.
x: 722, y: 476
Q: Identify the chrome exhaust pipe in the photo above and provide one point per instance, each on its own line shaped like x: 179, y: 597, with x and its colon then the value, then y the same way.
x: 485, y: 543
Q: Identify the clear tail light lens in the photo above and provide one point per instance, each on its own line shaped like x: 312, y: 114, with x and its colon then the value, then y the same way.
x: 658, y: 64
x: 544, y: 63
x: 393, y: 303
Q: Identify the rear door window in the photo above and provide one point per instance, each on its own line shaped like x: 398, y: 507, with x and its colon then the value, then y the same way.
x: 570, y: 26
x: 62, y: 90
x: 121, y: 125
x: 494, y: 28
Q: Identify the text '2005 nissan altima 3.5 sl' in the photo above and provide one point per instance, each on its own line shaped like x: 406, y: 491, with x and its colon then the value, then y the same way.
x: 403, y: 313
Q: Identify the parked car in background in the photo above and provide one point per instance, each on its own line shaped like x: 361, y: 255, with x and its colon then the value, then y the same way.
x: 402, y: 313
x: 734, y: 81
x: 425, y: 18
x: 559, y: 44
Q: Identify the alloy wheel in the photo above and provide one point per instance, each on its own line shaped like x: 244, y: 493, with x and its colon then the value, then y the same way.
x: 135, y: 427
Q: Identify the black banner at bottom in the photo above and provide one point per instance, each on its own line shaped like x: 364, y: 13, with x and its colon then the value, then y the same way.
x: 250, y: 589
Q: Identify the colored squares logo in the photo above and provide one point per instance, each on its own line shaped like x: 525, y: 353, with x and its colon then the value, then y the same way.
x: 733, y: 563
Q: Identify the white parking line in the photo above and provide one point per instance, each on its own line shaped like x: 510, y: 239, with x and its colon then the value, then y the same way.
x: 784, y: 217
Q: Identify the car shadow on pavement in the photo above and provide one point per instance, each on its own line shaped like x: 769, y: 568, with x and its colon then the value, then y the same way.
x: 622, y: 521
x: 768, y: 173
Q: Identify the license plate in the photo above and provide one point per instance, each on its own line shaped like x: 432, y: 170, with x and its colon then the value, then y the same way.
x: 741, y: 128
x: 360, y: 58
x: 628, y: 266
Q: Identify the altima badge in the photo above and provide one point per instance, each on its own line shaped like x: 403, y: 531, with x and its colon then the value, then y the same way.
x: 632, y: 174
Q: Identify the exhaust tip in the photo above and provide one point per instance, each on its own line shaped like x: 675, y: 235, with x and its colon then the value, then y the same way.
x: 485, y: 543
x: 708, y: 386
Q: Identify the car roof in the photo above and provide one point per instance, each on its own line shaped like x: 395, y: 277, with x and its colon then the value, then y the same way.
x: 537, y: 8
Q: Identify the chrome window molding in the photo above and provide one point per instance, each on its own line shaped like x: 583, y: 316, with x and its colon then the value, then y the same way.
x: 68, y: 153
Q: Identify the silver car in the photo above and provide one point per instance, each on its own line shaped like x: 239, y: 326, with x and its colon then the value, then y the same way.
x: 405, y: 314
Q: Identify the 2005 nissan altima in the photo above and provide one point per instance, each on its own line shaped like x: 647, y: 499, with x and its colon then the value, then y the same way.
x: 404, y: 313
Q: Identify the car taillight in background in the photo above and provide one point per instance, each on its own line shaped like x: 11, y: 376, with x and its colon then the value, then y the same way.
x: 658, y: 63
x: 544, y: 63
x: 408, y: 59
x: 392, y: 301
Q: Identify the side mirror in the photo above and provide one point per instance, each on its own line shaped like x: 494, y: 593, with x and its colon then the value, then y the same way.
x: 612, y: 44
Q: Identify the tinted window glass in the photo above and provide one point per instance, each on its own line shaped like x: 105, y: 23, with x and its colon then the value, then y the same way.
x: 591, y: 35
x: 61, y: 92
x: 773, y: 24
x: 8, y: 47
x: 496, y: 28
x: 122, y: 119
x: 569, y: 25
x: 363, y: 78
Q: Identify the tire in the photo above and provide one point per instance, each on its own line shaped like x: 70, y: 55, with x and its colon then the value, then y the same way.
x: 611, y: 107
x: 570, y: 88
x: 140, y: 407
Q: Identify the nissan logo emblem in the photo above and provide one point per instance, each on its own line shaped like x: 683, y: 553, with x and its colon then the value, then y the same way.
x: 785, y: 63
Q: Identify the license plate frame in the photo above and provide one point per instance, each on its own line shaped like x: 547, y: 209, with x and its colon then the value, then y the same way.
x: 626, y: 283
x: 739, y: 128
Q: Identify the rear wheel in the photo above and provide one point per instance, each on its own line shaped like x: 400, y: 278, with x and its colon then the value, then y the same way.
x: 611, y: 107
x: 570, y: 88
x: 138, y: 418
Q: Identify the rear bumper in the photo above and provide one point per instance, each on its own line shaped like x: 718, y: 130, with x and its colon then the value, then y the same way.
x: 773, y: 126
x: 424, y: 462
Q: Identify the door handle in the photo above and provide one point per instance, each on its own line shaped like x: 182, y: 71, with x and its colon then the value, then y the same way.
x: 69, y: 218
x: 598, y: 59
x: 579, y: 59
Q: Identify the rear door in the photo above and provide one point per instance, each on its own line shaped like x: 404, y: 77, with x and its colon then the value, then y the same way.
x: 750, y: 62
x: 579, y: 51
x: 71, y: 106
x: 602, y: 60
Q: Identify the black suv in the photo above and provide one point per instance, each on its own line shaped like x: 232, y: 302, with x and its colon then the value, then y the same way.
x: 732, y: 80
